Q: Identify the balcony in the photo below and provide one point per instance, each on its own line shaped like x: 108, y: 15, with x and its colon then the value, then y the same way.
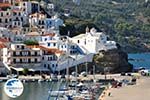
x: 26, y: 55
x: 26, y: 62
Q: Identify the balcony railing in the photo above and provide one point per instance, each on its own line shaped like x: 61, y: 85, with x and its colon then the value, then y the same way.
x: 25, y: 62
x: 19, y: 55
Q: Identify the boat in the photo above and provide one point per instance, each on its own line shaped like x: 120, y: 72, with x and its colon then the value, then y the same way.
x: 41, y: 80
x: 62, y: 92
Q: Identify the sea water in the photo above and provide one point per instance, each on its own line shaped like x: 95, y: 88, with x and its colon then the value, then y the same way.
x: 32, y: 91
x: 140, y: 60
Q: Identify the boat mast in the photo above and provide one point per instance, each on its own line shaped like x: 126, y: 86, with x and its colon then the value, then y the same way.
x: 68, y: 52
x: 76, y: 70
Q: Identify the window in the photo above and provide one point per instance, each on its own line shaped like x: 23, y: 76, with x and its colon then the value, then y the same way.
x: 52, y: 65
x: 24, y: 4
x: 2, y: 14
x: 42, y: 22
x: 48, y: 66
x: 14, y: 53
x: 6, y: 21
x: 49, y: 44
x: 54, y: 44
x: 78, y: 41
x: 14, y: 13
x: 22, y: 47
x: 17, y: 18
x: 35, y: 53
x: 45, y: 65
x: 14, y: 60
x: 45, y: 39
x: 7, y: 13
x: 39, y: 22
x: 20, y: 60
x: 29, y: 60
x: 18, y: 23
x: 42, y: 27
x: 21, y: 18
x: 17, y: 46
x: 29, y: 53
x: 49, y: 58
x: 35, y: 59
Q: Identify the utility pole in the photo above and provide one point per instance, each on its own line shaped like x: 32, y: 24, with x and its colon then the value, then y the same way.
x: 86, y: 66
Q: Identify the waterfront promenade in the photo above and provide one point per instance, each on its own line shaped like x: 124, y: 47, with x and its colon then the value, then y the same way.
x: 140, y: 91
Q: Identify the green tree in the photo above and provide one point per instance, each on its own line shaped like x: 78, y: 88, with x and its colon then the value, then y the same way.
x: 25, y: 71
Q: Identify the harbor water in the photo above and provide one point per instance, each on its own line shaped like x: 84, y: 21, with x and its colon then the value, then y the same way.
x: 140, y: 60
x: 32, y: 91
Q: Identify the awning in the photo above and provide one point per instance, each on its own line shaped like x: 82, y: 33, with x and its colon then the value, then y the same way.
x: 30, y: 69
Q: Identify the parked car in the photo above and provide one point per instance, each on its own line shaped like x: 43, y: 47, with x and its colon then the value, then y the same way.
x: 12, y: 76
x: 123, y: 73
x: 83, y: 74
x: 74, y: 74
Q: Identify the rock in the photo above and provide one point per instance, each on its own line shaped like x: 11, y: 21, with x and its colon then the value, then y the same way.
x: 112, y: 61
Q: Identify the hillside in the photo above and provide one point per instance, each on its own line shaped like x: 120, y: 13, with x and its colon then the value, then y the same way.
x: 125, y: 21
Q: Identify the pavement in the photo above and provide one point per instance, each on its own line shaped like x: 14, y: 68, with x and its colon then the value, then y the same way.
x: 140, y: 91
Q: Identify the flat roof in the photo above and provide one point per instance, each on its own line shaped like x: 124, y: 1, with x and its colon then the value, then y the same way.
x: 79, y: 36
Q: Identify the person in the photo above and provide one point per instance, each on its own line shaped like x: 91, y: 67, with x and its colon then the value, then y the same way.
x: 109, y: 94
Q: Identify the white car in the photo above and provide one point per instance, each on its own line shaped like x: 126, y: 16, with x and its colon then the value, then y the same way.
x: 12, y: 76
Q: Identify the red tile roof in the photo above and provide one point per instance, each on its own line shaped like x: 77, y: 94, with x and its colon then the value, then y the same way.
x: 49, y: 34
x: 52, y: 50
x: 5, y: 5
x: 2, y: 46
x: 3, y: 40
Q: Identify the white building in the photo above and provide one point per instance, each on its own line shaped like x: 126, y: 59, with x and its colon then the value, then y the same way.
x: 20, y: 56
x: 93, y: 41
x: 37, y: 19
x: 54, y: 41
x: 5, y: 14
x: 51, y: 58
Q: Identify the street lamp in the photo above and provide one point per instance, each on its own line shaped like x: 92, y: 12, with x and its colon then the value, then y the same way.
x: 86, y: 65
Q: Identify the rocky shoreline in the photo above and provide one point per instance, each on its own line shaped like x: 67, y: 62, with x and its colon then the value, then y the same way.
x: 112, y: 61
